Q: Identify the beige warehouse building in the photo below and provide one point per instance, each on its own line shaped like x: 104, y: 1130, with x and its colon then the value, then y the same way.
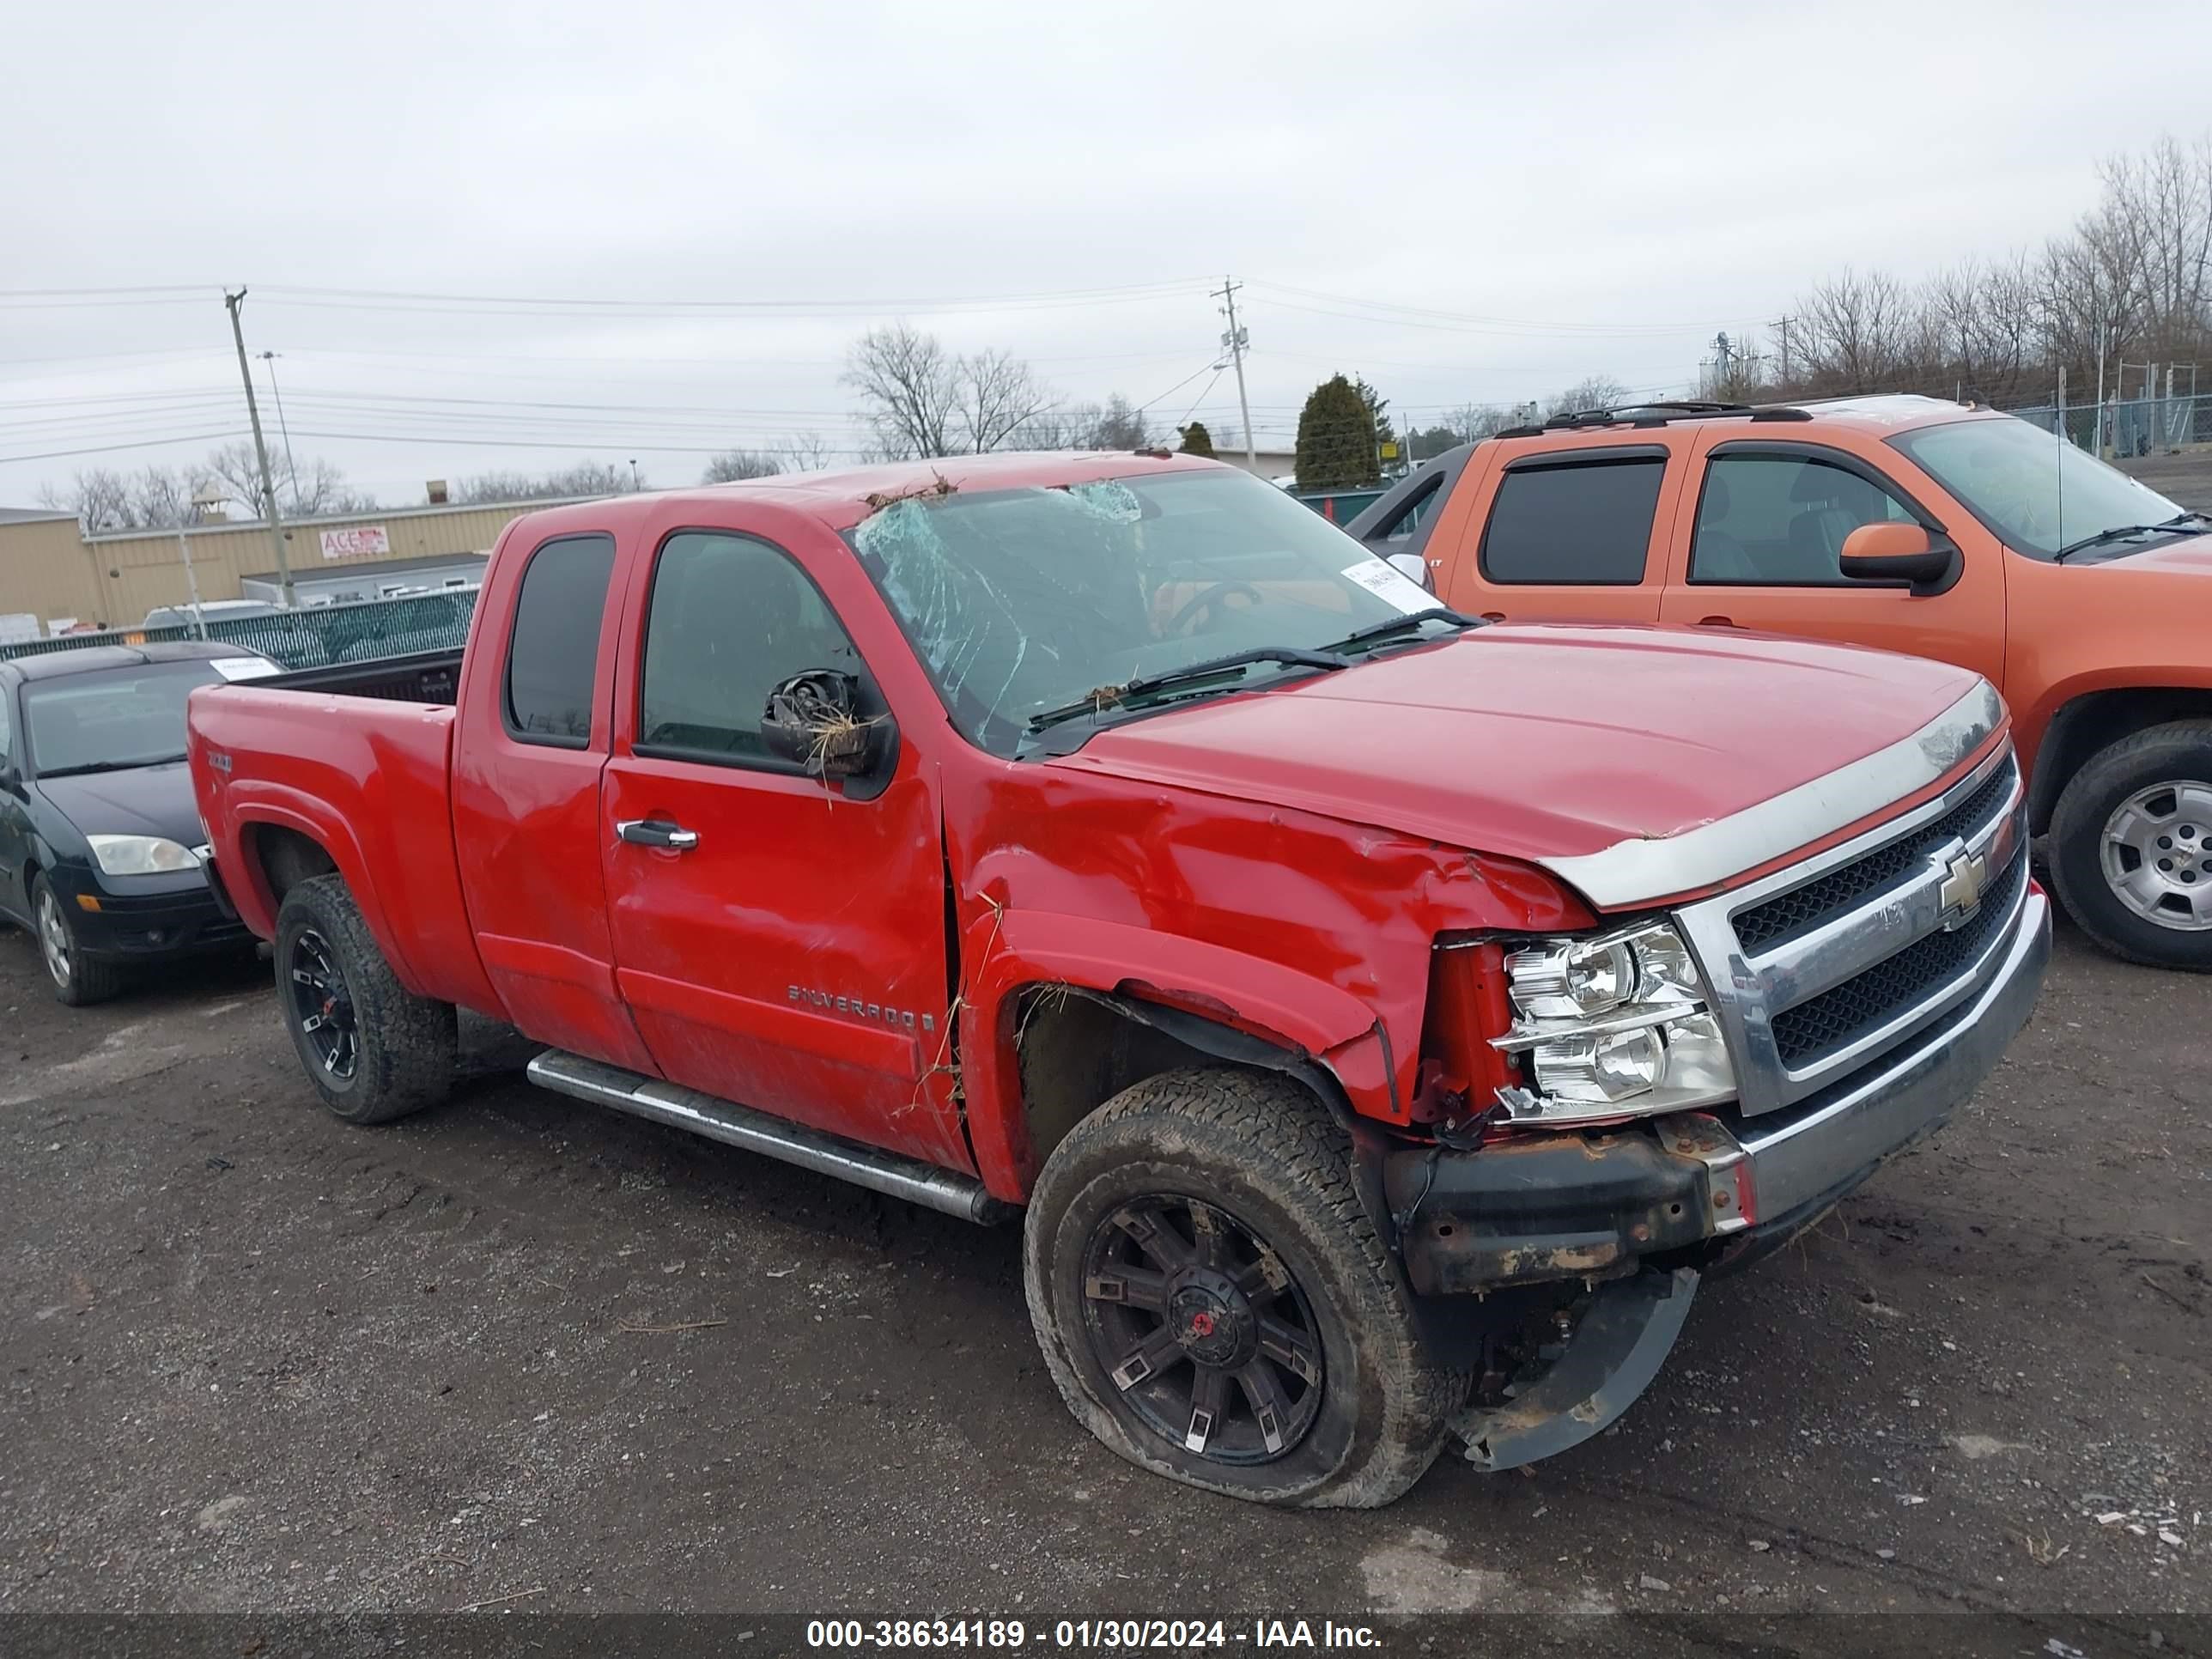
x: 49, y: 571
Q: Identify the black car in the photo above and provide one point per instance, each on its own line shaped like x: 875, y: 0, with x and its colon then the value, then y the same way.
x: 100, y: 844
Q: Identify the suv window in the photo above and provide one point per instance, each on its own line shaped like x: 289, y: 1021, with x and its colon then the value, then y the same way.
x: 1583, y: 522
x: 731, y: 619
x: 1780, y: 520
x: 553, y: 658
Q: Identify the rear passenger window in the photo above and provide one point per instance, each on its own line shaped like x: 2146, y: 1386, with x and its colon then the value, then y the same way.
x: 1780, y: 520
x: 1589, y: 522
x: 553, y: 658
x: 731, y: 619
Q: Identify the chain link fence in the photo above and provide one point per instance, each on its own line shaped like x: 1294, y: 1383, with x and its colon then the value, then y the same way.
x: 311, y: 638
x: 2146, y: 426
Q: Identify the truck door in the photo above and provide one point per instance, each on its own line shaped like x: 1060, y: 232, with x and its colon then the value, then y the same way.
x: 528, y: 747
x: 1569, y: 533
x: 1760, y: 531
x: 780, y: 940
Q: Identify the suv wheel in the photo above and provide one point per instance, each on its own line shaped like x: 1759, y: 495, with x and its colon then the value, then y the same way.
x: 2132, y: 847
x: 77, y: 979
x: 1215, y: 1306
x: 373, y: 1049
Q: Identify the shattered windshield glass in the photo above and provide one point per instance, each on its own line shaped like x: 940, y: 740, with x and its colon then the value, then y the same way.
x: 1020, y: 600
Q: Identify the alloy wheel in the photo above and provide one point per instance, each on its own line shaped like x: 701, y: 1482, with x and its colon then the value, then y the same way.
x: 53, y: 938
x: 1198, y: 1324
x: 2156, y: 854
x: 323, y: 1006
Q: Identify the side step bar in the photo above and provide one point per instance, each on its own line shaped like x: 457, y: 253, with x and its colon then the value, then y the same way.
x: 740, y: 1126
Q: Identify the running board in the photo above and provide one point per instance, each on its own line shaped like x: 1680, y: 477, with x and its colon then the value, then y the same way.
x: 756, y: 1132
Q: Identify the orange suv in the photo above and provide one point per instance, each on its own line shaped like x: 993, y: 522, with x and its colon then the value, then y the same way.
x: 1910, y: 523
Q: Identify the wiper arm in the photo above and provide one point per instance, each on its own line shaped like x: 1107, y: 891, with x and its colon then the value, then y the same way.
x: 2117, y: 532
x: 1390, y: 627
x: 1115, y: 696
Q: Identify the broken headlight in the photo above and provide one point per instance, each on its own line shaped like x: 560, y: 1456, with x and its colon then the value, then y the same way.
x: 1618, y: 1026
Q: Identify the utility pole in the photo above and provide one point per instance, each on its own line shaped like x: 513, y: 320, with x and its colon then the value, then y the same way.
x: 291, y: 468
x: 232, y: 302
x: 2097, y: 445
x: 636, y: 482
x: 1236, y: 340
x: 1782, y: 331
x: 192, y: 583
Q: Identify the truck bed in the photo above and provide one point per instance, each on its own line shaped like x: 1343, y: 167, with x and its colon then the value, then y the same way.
x: 341, y: 756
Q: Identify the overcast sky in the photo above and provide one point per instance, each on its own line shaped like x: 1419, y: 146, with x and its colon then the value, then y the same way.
x: 1465, y: 204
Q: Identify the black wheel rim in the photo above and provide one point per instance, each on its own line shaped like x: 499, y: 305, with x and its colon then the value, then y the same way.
x: 322, y: 1005
x: 1201, y: 1330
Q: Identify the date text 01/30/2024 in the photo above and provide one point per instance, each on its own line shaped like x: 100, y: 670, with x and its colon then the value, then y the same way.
x: 1108, y: 1634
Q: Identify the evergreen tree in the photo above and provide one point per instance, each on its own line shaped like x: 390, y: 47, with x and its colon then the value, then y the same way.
x: 1196, y: 440
x: 1336, y: 439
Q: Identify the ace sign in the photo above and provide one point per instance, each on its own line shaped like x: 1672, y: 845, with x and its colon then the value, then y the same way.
x: 355, y: 542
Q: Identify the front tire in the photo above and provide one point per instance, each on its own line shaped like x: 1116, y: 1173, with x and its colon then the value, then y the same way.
x: 373, y: 1050
x: 1214, y: 1304
x: 77, y: 979
x: 2132, y: 847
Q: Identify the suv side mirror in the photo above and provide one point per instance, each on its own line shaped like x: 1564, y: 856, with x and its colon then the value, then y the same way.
x: 812, y: 720
x: 1413, y: 566
x: 1892, y: 551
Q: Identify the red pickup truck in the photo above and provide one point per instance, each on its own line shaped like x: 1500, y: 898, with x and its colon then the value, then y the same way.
x: 1384, y: 1019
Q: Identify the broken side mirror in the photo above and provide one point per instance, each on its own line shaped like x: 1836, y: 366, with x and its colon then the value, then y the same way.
x: 1892, y: 551
x: 813, y: 721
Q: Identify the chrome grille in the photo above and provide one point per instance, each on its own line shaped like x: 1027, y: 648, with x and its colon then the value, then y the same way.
x: 1836, y: 1018
x: 1825, y: 967
x: 1803, y: 909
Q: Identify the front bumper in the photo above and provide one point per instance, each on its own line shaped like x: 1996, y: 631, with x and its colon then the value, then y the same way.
x: 161, y: 917
x: 1698, y: 1188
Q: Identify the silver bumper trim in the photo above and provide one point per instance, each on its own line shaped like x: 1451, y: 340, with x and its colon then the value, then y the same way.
x: 1641, y: 870
x: 1801, y: 1155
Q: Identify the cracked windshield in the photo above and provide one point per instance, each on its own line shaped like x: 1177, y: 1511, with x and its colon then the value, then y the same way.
x: 1023, y: 601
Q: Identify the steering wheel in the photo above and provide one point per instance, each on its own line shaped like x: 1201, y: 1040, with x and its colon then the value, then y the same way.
x: 1204, y: 603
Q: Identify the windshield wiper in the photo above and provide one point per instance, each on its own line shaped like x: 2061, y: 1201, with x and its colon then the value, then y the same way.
x: 2117, y: 532
x: 1117, y: 696
x: 1391, y: 627
x: 107, y: 766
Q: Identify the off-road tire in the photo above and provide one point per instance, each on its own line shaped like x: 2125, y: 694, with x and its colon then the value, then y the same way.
x: 88, y: 978
x: 1263, y: 1149
x: 407, y: 1045
x: 2178, y: 750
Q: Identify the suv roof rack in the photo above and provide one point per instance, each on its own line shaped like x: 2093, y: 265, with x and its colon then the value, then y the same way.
x: 1656, y: 414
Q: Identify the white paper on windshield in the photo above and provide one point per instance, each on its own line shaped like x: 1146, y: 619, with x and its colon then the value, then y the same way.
x: 244, y: 668
x: 1390, y: 586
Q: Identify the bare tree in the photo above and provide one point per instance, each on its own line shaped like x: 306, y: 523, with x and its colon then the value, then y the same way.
x: 908, y: 388
x: 585, y: 478
x: 234, y: 470
x: 733, y: 465
x: 1853, y: 331
x: 996, y: 394
x: 1593, y: 392
x: 804, y: 452
x: 1114, y: 424
x: 100, y: 497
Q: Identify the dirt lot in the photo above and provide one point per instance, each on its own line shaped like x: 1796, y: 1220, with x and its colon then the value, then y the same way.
x: 255, y: 1360
x: 2185, y: 479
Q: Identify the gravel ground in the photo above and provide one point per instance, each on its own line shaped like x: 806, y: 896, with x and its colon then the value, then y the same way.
x: 256, y: 1360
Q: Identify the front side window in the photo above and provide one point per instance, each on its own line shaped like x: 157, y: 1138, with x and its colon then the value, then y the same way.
x: 1018, y: 601
x: 1780, y: 520
x: 1586, y: 523
x: 731, y: 619
x: 553, y: 659
x: 2037, y: 494
x: 111, y: 721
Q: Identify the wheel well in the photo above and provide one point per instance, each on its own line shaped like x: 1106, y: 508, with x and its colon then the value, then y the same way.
x: 1078, y: 1050
x: 288, y: 858
x: 2095, y: 720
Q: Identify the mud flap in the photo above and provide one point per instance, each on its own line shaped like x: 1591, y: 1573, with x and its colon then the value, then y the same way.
x: 1605, y: 1366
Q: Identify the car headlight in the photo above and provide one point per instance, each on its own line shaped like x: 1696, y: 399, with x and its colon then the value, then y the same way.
x: 141, y: 855
x: 1612, y: 1027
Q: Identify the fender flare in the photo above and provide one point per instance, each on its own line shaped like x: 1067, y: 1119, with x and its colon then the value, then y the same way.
x: 1240, y: 1008
x: 258, y: 803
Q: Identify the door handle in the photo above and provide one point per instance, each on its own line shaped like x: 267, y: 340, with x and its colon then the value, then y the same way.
x: 657, y: 832
x: 1715, y: 622
x: 1493, y: 616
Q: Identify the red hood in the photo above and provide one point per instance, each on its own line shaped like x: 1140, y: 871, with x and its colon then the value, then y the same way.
x: 1544, y: 743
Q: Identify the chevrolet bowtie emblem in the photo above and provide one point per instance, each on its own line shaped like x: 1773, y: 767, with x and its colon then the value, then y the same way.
x: 1960, y: 895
